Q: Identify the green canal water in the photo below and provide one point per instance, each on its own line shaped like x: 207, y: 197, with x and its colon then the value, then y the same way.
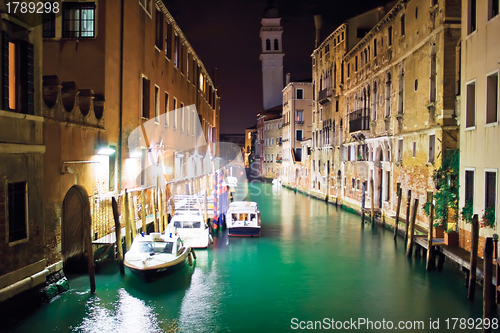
x: 312, y: 262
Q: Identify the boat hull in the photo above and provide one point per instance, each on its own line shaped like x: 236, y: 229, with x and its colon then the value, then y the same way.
x: 244, y: 231
x: 151, y: 275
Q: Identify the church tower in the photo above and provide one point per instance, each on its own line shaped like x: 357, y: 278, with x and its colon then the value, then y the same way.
x: 272, y: 58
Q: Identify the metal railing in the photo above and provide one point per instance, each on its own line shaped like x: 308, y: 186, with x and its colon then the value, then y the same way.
x: 324, y: 94
x: 359, y: 120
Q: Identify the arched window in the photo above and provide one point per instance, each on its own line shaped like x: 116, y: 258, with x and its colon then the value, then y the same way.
x: 388, y: 95
x: 276, y: 45
x: 268, y: 44
x: 374, y: 107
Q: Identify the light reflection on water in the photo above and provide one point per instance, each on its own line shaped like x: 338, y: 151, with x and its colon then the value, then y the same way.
x: 312, y: 262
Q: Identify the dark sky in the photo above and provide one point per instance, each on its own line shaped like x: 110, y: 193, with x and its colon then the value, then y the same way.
x: 225, y: 35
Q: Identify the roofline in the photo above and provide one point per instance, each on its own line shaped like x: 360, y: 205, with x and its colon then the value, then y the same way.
x: 327, y: 39
x: 296, y: 83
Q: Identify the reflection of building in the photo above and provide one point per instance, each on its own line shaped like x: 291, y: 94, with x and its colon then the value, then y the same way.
x: 297, y: 115
x: 479, y: 130
x: 22, y: 225
x: 101, y: 85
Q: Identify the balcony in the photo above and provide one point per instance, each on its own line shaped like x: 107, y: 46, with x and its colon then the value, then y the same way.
x: 299, y: 122
x: 324, y: 96
x: 359, y: 120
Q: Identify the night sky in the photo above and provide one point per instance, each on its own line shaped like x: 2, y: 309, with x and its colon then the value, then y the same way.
x: 225, y: 35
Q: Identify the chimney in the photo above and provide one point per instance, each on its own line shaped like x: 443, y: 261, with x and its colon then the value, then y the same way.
x: 287, y: 79
x: 318, y: 23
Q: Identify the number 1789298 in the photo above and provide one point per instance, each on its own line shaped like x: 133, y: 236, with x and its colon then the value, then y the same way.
x: 33, y: 7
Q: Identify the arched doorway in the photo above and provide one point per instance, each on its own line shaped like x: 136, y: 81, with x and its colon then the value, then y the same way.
x: 76, y: 223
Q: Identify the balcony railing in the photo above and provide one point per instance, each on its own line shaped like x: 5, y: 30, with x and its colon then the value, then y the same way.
x: 324, y: 95
x: 299, y: 122
x: 359, y: 120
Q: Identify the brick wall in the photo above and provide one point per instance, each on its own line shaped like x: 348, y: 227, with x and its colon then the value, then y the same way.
x: 464, y: 242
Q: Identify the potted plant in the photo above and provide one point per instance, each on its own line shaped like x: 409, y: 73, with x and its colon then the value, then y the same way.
x: 438, y: 229
x: 451, y: 235
x: 488, y: 219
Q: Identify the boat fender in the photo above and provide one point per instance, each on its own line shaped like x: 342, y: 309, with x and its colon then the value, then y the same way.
x: 194, y: 254
x: 180, y: 251
x: 211, y: 239
x: 190, y: 259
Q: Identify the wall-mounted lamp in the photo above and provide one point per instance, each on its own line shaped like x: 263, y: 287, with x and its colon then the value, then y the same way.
x: 105, y: 151
x: 135, y: 154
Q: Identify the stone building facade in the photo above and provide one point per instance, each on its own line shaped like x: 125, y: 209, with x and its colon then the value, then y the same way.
x: 104, y: 77
x: 395, y: 93
x: 297, y: 115
x: 479, y: 105
x: 271, y: 157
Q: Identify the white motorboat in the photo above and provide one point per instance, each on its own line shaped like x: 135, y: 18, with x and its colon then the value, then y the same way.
x: 243, y: 219
x: 154, y: 256
x: 191, y: 228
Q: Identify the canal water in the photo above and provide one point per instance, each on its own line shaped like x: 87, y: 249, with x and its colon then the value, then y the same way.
x: 312, y: 263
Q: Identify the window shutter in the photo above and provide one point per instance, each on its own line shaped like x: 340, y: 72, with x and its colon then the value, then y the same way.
x: 27, y: 78
x: 145, y: 97
x: 5, y: 70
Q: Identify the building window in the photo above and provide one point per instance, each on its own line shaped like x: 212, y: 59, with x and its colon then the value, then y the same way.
x: 49, y: 25
x: 337, y: 106
x: 387, y: 186
x: 471, y: 16
x: 157, y: 104
x: 470, y: 112
x: 146, y: 4
x: 181, y: 58
x: 78, y: 20
x: 298, y: 135
x: 166, y: 109
x: 400, y: 150
x: 388, y: 95
x: 493, y: 8
x: 401, y: 91
x: 414, y: 149
x: 492, y: 98
x: 356, y: 64
x: 374, y: 101
x: 491, y: 186
x: 433, y: 77
x: 389, y: 31
x: 168, y: 41
x: 145, y: 97
x: 300, y: 94
x: 432, y: 147
x: 268, y: 44
x: 469, y: 186
x: 276, y: 45
x: 300, y: 116
x: 176, y: 51
x: 181, y: 117
x: 159, y: 29
x: 17, y: 211
x: 175, y: 112
x: 403, y: 25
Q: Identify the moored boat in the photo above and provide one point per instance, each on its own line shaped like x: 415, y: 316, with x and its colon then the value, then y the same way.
x: 243, y: 219
x: 154, y: 256
x: 191, y: 228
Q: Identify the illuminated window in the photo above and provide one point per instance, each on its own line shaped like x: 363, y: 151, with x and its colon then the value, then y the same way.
x: 78, y: 20
x: 201, y: 82
x: 176, y: 51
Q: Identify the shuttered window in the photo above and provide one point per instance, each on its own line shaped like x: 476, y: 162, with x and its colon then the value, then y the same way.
x: 146, y: 86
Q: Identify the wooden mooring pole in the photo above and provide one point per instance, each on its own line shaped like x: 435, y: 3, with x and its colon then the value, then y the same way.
x: 497, y: 269
x: 398, y: 207
x: 155, y: 218
x: 408, y: 205
x: 363, y: 197
x: 126, y: 213
x: 430, y: 249
x: 118, y: 234
x: 90, y: 255
x: 372, y: 201
x: 409, y: 249
x: 487, y: 289
x: 143, y: 212
x: 473, y: 257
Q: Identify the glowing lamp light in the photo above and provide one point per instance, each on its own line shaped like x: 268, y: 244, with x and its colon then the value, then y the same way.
x: 105, y: 151
x: 135, y: 154
x: 169, y: 170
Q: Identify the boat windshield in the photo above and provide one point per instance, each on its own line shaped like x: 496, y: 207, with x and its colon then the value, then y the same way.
x: 153, y: 247
x: 187, y: 224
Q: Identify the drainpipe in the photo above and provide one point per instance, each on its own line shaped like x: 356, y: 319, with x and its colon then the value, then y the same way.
x: 120, y: 133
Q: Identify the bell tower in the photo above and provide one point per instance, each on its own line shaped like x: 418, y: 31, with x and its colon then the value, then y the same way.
x: 272, y: 58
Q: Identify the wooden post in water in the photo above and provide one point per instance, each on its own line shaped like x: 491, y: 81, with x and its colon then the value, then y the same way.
x: 487, y: 289
x: 133, y: 225
x: 90, y: 253
x: 430, y: 248
x: 473, y: 257
x: 398, y: 208
x: 155, y: 218
x: 118, y: 234
x: 497, y: 270
x: 160, y: 210
x: 143, y: 212
x: 409, y: 250
x: 372, y: 200
x: 408, y: 205
x: 363, y: 197
x: 126, y: 213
